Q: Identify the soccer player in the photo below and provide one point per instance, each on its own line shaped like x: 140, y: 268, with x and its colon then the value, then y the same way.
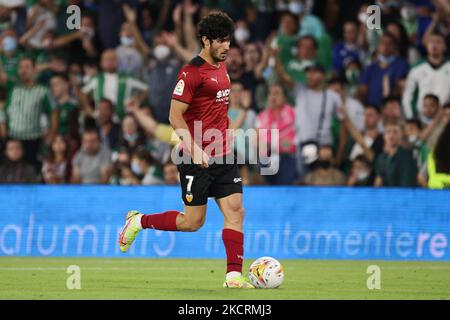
x: 201, y: 95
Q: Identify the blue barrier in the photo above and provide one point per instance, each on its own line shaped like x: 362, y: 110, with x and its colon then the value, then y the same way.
x: 285, y: 222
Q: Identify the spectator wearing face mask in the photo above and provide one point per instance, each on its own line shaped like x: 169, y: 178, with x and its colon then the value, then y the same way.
x: 14, y: 169
x: 361, y: 173
x: 395, y: 167
x: 10, y: 54
x: 161, y: 75
x: 81, y: 45
x: 145, y: 166
x: 132, y: 136
x: 241, y: 33
x: 122, y: 175
x: 132, y: 49
x: 347, y: 50
x: 92, y: 163
x: 378, y: 80
x: 324, y: 172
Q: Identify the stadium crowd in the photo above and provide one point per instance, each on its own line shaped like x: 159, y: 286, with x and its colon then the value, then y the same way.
x: 354, y: 105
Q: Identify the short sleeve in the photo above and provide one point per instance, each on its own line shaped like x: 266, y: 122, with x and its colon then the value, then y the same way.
x: 188, y: 81
x: 136, y: 84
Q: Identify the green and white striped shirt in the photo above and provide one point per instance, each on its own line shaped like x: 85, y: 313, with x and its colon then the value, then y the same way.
x: 23, y: 110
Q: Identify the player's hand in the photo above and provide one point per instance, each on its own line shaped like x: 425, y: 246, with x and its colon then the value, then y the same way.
x: 200, y: 157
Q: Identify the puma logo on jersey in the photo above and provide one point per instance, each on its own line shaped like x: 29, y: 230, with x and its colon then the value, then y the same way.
x: 185, y: 74
x: 215, y: 79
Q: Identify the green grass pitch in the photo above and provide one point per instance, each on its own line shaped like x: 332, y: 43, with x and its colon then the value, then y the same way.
x: 127, y: 278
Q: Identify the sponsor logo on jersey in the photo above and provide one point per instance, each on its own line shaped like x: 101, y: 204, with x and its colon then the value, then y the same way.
x: 236, y: 180
x: 223, y: 93
x: 179, y: 88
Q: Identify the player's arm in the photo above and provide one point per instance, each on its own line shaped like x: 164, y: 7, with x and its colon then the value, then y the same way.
x: 177, y: 109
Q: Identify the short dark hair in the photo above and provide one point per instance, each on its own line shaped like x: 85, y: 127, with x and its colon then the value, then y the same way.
x: 216, y: 25
x: 371, y: 106
x: 336, y: 80
x: 363, y: 159
x: 390, y: 98
x: 62, y: 76
x: 309, y: 37
x: 431, y: 96
x: 108, y: 101
x: 143, y: 154
x: 416, y: 122
x: 92, y: 130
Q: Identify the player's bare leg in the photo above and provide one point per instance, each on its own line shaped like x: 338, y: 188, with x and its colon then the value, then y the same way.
x: 190, y: 220
x: 233, y: 239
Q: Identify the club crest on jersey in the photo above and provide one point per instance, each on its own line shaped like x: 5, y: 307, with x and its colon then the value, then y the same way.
x: 179, y: 88
x: 189, y: 197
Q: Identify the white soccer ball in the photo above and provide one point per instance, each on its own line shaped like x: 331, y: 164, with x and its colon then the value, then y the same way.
x: 266, y: 273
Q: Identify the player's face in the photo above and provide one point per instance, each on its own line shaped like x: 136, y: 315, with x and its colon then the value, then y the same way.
x: 219, y: 48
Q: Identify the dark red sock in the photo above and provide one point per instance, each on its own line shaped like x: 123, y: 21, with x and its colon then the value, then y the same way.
x: 160, y: 221
x: 234, y: 247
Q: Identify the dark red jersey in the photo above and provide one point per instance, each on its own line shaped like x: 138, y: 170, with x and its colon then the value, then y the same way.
x: 206, y: 89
